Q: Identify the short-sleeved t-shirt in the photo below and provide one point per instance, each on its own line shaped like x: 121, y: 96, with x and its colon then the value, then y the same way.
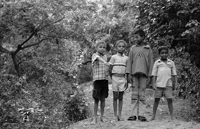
x: 100, y: 70
x: 119, y: 63
x: 164, y: 71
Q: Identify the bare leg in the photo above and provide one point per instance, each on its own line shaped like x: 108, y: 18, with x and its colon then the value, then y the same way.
x: 120, y: 108
x: 155, y: 106
x: 102, y: 109
x: 120, y: 105
x: 170, y: 106
x: 115, y: 104
x: 96, y: 102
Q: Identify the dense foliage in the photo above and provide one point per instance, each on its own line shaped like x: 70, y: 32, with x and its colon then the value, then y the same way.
x: 46, y: 46
x: 177, y: 25
x: 38, y: 66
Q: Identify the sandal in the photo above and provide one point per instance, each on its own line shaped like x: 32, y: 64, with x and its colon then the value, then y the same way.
x: 142, y: 118
x: 132, y: 118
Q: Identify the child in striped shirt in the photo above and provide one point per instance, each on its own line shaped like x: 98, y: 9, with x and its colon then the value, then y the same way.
x: 118, y: 75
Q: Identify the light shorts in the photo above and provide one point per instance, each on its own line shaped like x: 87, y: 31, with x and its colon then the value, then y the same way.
x: 118, y: 83
x: 166, y: 92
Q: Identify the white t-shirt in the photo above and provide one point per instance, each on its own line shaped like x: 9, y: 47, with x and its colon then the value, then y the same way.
x: 164, y: 71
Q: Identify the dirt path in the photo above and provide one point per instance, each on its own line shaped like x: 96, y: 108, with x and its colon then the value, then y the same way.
x: 181, y: 110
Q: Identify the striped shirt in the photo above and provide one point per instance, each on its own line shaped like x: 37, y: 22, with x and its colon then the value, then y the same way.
x: 119, y: 63
x: 100, y: 70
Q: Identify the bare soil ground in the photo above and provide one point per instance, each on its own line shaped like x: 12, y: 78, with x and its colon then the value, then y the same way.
x: 182, y: 112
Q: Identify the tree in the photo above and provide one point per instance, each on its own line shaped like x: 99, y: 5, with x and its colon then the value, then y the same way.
x: 28, y: 24
x: 35, y: 40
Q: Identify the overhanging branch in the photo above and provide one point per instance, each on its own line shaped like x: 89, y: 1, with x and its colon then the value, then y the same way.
x: 27, y: 46
x: 39, y: 28
x: 3, y: 50
x: 161, y: 27
x: 59, y: 20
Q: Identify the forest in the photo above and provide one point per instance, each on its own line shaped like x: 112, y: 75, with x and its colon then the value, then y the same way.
x: 46, y: 47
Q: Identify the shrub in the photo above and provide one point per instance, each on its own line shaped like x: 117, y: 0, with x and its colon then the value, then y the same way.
x: 85, y: 73
x: 76, y: 108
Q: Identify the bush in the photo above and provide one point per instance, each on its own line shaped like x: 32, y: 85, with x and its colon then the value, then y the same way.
x: 39, y: 99
x: 76, y: 108
x: 85, y: 73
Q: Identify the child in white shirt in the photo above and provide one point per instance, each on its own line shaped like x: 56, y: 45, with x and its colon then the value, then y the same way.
x: 164, y: 71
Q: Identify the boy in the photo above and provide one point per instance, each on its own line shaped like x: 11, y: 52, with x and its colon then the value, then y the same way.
x: 164, y: 71
x: 139, y: 67
x: 100, y: 79
x: 117, y: 68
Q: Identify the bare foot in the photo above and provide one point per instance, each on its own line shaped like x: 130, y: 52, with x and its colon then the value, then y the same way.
x: 101, y: 119
x: 94, y: 121
x: 152, y: 118
x: 115, y: 120
x: 120, y: 118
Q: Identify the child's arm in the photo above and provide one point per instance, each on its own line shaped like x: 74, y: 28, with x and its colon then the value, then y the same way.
x: 110, y: 70
x: 150, y: 62
x: 149, y: 82
x: 174, y: 77
x: 102, y: 60
x: 154, y: 82
x: 175, y: 82
x: 111, y: 62
x: 154, y: 75
x: 129, y: 65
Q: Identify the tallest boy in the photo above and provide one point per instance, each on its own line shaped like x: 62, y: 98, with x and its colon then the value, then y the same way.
x: 139, y: 65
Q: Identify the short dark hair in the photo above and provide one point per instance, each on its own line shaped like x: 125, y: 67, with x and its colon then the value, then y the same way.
x: 140, y: 32
x: 162, y: 48
x: 99, y: 42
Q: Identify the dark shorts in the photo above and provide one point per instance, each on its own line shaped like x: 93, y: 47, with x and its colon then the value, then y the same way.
x: 100, y: 89
x: 164, y: 92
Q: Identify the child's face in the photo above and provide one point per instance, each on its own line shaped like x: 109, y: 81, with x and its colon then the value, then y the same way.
x: 101, y: 48
x: 138, y: 39
x: 163, y: 54
x: 120, y: 47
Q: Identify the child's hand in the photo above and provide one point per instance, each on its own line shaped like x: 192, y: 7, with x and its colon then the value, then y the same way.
x: 154, y: 87
x: 106, y: 63
x: 129, y: 78
x: 126, y: 86
x: 149, y: 82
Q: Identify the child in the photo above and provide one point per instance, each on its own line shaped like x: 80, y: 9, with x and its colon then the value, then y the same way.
x: 117, y: 68
x: 164, y: 71
x: 100, y: 79
x: 139, y: 67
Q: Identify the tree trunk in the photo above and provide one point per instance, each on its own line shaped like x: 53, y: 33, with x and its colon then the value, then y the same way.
x: 16, y: 65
